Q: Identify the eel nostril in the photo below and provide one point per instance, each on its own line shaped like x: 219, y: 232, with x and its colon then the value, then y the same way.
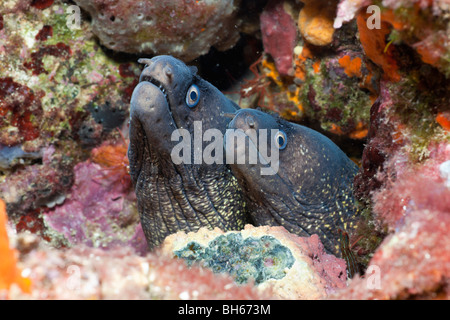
x: 168, y: 71
x: 146, y: 61
x: 250, y: 121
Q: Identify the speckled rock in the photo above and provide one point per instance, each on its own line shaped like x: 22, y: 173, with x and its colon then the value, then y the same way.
x: 291, y: 266
x: 184, y: 29
x: 347, y: 10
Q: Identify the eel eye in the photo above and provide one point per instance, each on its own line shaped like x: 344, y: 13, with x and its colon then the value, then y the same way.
x: 192, y: 96
x: 280, y: 140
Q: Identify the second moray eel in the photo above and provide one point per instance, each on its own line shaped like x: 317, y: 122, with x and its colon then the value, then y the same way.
x: 173, y: 197
x: 308, y: 191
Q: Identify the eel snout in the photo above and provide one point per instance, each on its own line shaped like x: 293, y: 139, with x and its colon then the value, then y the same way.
x: 151, y: 113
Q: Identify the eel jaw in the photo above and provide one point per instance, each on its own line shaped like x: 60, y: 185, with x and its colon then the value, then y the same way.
x: 150, y: 117
x: 158, y: 84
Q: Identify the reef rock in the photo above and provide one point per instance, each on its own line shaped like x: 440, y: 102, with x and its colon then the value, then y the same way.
x: 423, y: 25
x: 290, y: 266
x: 99, y: 212
x: 413, y: 262
x: 91, y: 273
x: 184, y: 29
x: 59, y: 96
x: 38, y: 185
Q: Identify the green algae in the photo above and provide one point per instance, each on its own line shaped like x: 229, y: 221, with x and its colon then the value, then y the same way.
x: 338, y: 100
x: 416, y: 109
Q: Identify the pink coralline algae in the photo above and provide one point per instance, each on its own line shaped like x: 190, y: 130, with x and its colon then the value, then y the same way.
x: 414, y: 261
x: 182, y: 28
x: 347, y: 10
x: 99, y: 212
x: 380, y: 144
x: 401, y: 196
x: 279, y: 35
x: 331, y: 269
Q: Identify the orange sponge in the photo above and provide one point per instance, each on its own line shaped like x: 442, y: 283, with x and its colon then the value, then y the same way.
x: 9, y: 273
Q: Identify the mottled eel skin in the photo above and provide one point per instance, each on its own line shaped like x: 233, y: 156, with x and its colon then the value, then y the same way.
x: 173, y: 197
x: 312, y: 190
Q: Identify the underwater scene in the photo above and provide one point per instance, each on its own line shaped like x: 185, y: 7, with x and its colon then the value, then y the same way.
x: 225, y: 150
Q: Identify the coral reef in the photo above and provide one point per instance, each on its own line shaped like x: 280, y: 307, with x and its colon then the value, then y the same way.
x: 38, y: 185
x: 184, y: 29
x: 290, y: 266
x: 91, y: 273
x: 412, y: 262
x: 390, y: 86
x: 423, y: 25
x: 99, y: 213
x: 401, y: 177
x: 333, y: 87
x: 62, y: 96
x: 73, y: 231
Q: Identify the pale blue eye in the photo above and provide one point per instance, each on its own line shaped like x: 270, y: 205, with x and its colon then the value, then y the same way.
x: 192, y: 96
x: 280, y: 140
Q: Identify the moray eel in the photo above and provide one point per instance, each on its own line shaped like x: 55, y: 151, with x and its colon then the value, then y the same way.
x: 308, y: 192
x: 173, y: 197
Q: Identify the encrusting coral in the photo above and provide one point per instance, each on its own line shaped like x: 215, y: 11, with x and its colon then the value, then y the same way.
x: 100, y: 205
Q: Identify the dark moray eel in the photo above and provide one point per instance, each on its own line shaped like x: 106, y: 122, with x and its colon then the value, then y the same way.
x: 173, y: 197
x: 310, y: 193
